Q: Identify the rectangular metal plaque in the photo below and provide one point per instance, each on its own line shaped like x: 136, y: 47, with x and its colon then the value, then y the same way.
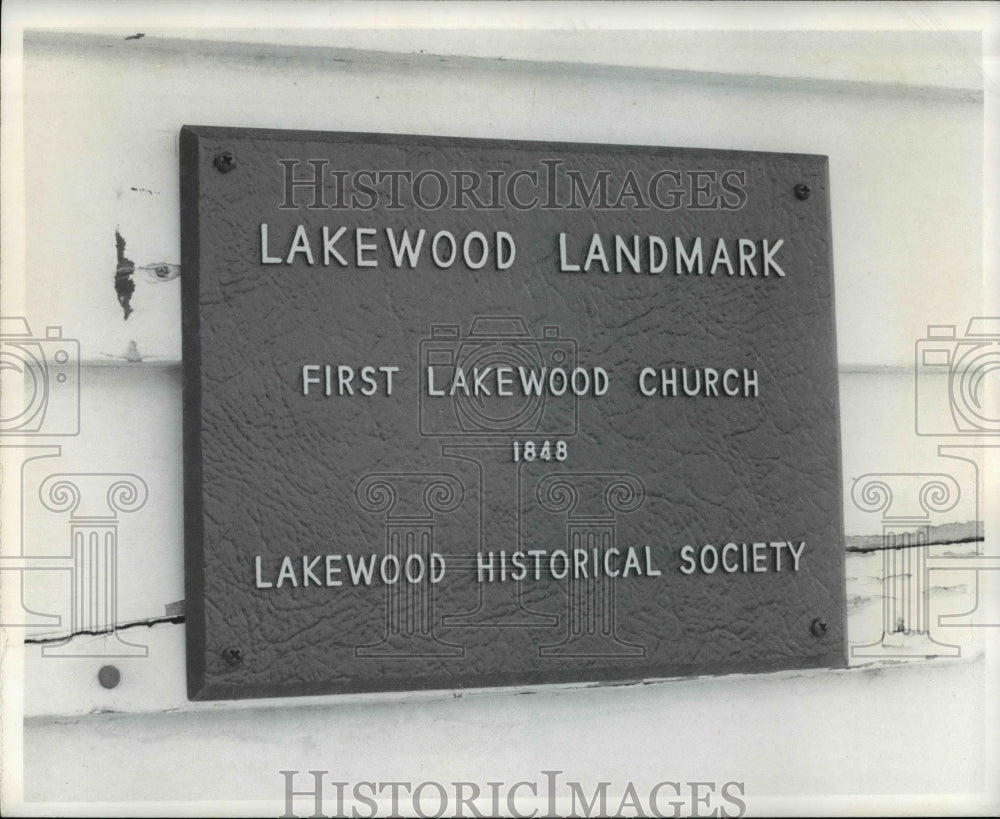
x: 465, y: 413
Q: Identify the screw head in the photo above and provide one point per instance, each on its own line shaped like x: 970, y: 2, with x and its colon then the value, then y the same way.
x: 818, y: 627
x: 109, y: 676
x: 802, y: 191
x: 224, y: 162
x: 233, y: 656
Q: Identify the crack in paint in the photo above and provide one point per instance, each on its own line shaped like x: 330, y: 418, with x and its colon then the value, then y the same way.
x: 124, y: 286
x: 898, y: 546
x: 174, y: 619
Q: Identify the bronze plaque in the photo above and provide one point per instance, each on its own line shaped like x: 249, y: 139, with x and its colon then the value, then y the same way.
x: 465, y: 413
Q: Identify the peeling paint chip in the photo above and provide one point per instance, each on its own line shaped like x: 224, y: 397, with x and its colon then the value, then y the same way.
x: 124, y: 286
x: 175, y: 609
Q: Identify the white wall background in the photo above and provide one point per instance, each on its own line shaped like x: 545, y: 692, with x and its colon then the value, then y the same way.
x: 901, y: 116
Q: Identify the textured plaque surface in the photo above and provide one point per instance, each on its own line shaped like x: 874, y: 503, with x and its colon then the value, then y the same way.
x: 375, y: 496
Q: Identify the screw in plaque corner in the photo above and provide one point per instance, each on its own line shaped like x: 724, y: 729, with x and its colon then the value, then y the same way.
x: 224, y: 161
